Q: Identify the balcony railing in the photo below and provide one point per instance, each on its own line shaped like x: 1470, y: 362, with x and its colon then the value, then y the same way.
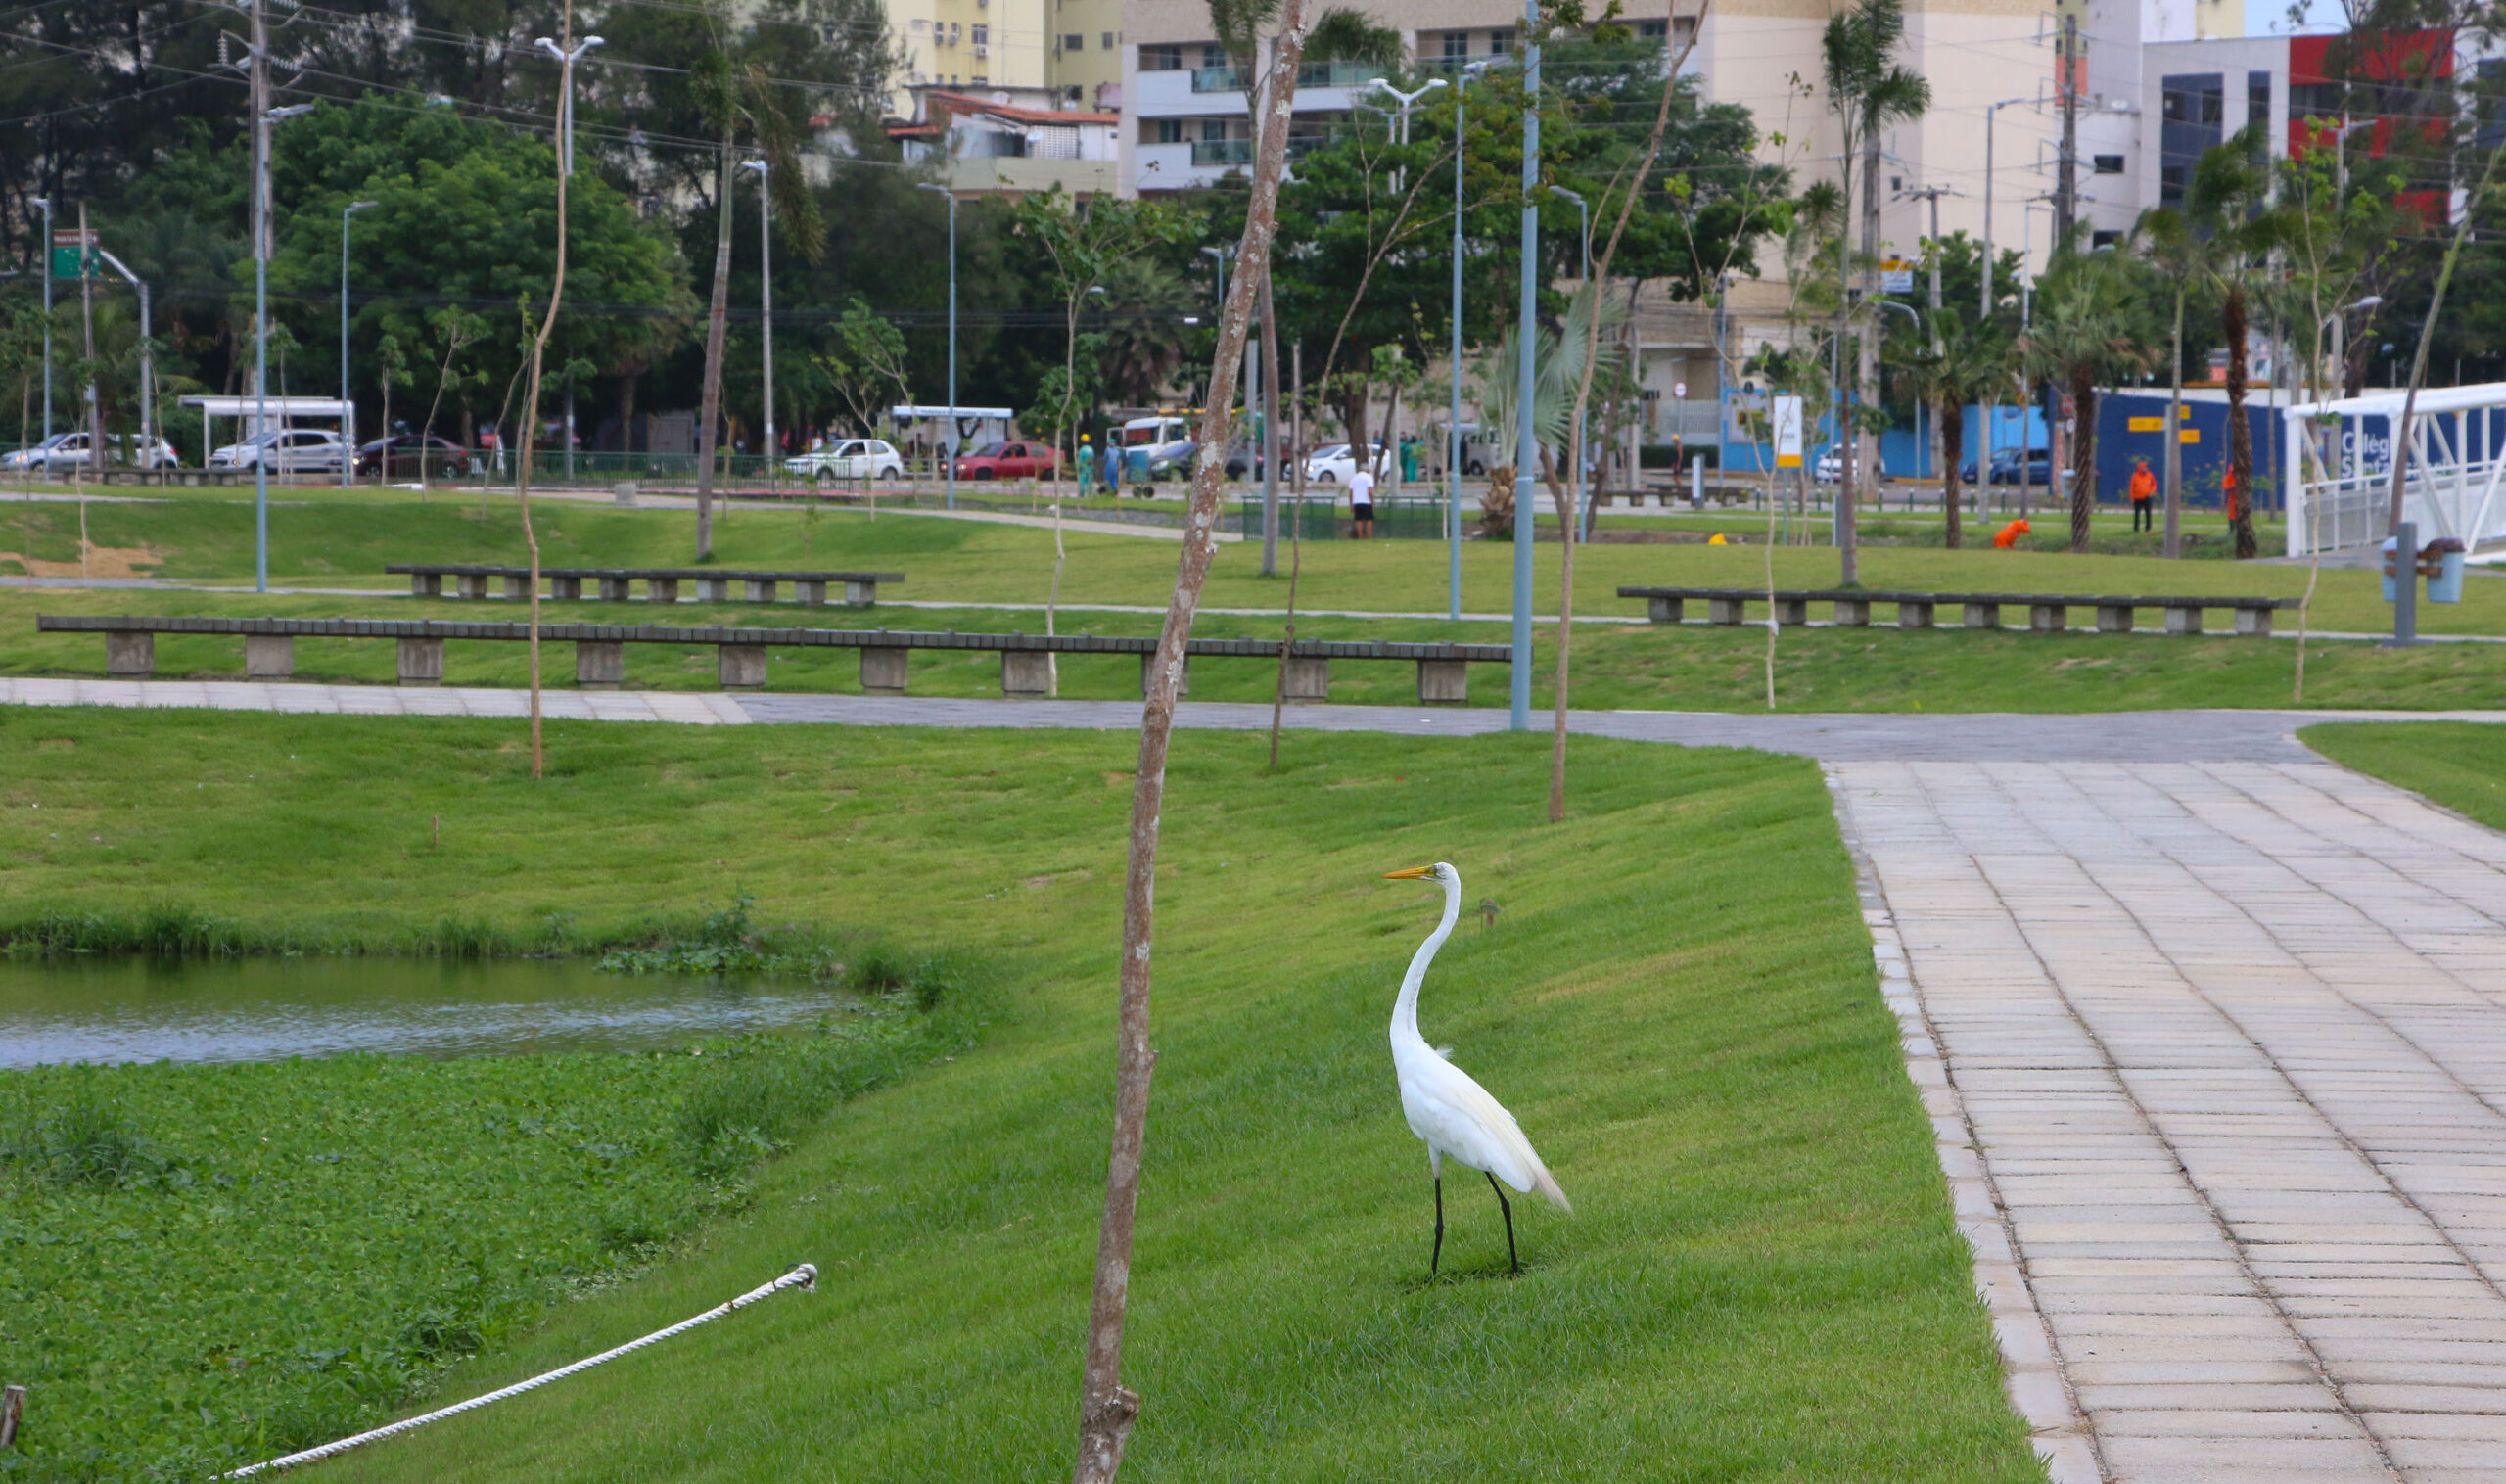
x: 1209, y: 151
x: 1226, y: 79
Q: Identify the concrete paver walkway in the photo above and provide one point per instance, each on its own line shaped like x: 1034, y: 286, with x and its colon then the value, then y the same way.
x: 2218, y: 1055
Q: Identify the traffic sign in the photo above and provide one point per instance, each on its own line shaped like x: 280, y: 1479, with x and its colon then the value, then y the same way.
x: 72, y: 254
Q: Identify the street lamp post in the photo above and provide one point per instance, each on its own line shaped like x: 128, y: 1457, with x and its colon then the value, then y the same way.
x: 766, y: 299
x: 261, y: 336
x: 948, y: 456
x: 1526, y: 435
x: 347, y: 419
x: 45, y: 202
x: 566, y: 61
x: 1990, y: 109
x: 1583, y: 215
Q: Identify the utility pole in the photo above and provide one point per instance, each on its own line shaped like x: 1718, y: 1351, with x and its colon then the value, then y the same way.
x: 766, y: 304
x: 260, y: 91
x: 1528, y: 319
x: 45, y: 257
x: 1932, y: 195
x: 2066, y: 169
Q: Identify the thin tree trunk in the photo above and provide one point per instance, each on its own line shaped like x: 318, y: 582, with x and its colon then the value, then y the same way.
x: 2172, y: 546
x: 1106, y: 1408
x: 530, y: 433
x: 2083, y: 451
x: 710, y: 402
x: 1952, y: 424
x: 2240, y: 495
x: 1562, y: 493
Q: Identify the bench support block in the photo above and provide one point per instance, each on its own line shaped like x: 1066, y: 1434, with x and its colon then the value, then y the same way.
x: 1726, y: 611
x: 2183, y: 620
x: 1666, y: 610
x: 2254, y: 623
x: 1980, y: 615
x: 566, y: 589
x: 861, y: 594
x: 1914, y: 614
x: 713, y: 589
x: 810, y: 594
x: 269, y: 656
x: 614, y: 589
x: 421, y: 661
x: 2046, y: 617
x: 1444, y: 682
x: 2114, y: 617
x: 471, y: 584
x: 1308, y: 679
x: 131, y: 654
x: 741, y: 666
x: 883, y: 670
x: 1853, y: 612
x: 1149, y: 669
x: 657, y: 589
x: 1791, y: 612
x: 518, y: 587
x: 426, y: 584
x: 1026, y: 674
x: 599, y: 664
x: 760, y: 591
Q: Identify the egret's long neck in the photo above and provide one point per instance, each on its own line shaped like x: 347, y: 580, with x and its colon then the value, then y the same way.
x: 1405, y: 1010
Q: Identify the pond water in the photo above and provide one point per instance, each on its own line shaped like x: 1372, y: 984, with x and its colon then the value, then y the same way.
x: 265, y: 1010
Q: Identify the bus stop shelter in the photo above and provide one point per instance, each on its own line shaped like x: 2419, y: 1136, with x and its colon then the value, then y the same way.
x: 283, y: 412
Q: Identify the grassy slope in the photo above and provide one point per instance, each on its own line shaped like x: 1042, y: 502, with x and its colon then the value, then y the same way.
x: 2461, y: 765
x: 1693, y: 667
x: 329, y: 541
x: 1761, y: 1278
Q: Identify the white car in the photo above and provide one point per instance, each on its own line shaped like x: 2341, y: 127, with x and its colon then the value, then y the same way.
x: 854, y: 459
x: 1333, y: 464
x: 1831, y: 468
x: 64, y: 452
x: 289, y: 451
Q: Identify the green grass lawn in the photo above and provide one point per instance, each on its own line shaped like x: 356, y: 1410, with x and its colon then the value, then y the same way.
x: 2461, y: 765
x: 1689, y: 667
x: 323, y: 538
x: 1761, y: 1278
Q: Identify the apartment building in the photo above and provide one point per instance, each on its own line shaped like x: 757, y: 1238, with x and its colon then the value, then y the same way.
x: 968, y: 44
x: 1087, y: 38
x: 1010, y: 142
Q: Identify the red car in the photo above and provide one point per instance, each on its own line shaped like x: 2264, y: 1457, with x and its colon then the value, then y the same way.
x: 1009, y: 461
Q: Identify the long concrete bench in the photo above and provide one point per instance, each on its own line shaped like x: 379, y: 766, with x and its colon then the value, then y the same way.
x: 269, y: 650
x: 2047, y: 612
x: 614, y: 585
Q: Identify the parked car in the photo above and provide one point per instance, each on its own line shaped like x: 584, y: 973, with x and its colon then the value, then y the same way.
x: 412, y: 455
x: 1333, y: 463
x: 1003, y: 459
x: 285, y: 451
x: 64, y: 452
x: 851, y: 458
x: 1832, y: 467
x: 1245, y: 462
x: 1173, y: 459
x: 2005, y: 468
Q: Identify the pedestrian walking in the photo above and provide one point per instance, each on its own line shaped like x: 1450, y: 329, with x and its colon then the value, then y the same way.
x: 2144, y: 495
x: 1086, y: 466
x: 1361, y: 501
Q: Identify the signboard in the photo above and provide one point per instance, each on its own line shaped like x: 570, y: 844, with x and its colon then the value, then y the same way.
x: 71, y: 254
x: 2145, y: 424
x: 1679, y: 388
x: 1787, y: 433
x: 1896, y: 276
x: 2188, y: 435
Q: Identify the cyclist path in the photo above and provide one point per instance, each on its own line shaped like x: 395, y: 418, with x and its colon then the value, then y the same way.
x: 2215, y: 1050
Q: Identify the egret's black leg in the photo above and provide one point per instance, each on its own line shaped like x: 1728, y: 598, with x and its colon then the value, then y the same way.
x: 1437, y: 1256
x: 1515, y: 1262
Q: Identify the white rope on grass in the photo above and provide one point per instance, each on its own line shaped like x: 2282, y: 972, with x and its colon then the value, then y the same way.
x: 806, y: 1276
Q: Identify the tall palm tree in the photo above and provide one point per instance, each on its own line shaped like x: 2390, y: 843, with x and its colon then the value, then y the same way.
x: 2226, y: 202
x: 1145, y: 303
x: 2077, y: 341
x: 1971, y: 364
x: 1869, y: 91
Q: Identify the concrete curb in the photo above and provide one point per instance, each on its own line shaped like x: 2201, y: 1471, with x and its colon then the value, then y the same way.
x: 2032, y: 1373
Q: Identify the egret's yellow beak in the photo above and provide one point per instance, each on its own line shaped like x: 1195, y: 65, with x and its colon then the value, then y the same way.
x: 1414, y: 874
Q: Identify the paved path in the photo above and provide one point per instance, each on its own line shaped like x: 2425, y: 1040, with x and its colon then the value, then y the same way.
x: 2218, y: 1055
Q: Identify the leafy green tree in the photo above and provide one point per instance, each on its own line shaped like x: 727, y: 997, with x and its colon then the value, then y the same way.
x: 1078, y: 246
x: 1965, y: 361
x: 2225, y: 205
x: 2083, y: 336
x: 1145, y: 306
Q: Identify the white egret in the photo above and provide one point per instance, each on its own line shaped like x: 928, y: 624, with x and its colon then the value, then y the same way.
x: 1446, y: 1107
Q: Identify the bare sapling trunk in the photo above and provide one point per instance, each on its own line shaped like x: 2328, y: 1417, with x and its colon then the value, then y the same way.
x: 1296, y: 511
x: 1106, y: 1408
x: 530, y: 433
x: 2171, y: 544
x: 1563, y: 492
x: 2083, y: 451
x: 710, y: 413
x: 2427, y: 333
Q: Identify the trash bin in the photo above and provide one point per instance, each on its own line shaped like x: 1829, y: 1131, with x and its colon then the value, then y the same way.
x: 2387, y: 550
x: 2445, y: 584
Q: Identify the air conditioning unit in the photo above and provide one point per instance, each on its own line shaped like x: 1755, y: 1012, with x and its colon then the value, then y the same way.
x: 984, y: 51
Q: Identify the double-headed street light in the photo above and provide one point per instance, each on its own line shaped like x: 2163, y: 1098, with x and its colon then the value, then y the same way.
x: 45, y: 202
x: 949, y: 457
x: 1453, y: 418
x: 566, y: 59
x: 1583, y: 214
x: 347, y: 419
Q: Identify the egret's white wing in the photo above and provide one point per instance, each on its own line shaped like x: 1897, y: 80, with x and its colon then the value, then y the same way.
x: 1449, y: 1109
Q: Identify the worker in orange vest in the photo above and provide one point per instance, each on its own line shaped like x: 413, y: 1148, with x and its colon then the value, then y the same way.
x: 2008, y: 535
x: 2227, y: 492
x: 2144, y: 493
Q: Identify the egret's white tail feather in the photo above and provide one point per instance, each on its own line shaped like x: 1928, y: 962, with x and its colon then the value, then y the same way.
x: 1547, y: 1185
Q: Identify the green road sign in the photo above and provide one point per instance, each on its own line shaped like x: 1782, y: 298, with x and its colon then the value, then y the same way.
x: 71, y: 262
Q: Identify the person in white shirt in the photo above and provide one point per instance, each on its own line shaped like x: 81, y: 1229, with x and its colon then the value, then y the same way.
x: 1362, y: 502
